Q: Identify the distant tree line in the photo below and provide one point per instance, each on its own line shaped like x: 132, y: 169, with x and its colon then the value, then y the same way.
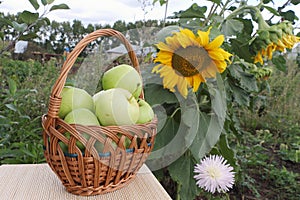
x: 53, y: 36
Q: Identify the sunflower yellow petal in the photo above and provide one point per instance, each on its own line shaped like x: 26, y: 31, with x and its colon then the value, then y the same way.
x: 170, y: 77
x: 182, y: 86
x: 270, y: 49
x: 203, y: 38
x: 155, y: 69
x: 184, y: 39
x: 221, y: 65
x: 164, y: 47
x: 258, y: 58
x: 197, y: 79
x: 164, y: 57
x: 173, y: 43
x: 216, y: 43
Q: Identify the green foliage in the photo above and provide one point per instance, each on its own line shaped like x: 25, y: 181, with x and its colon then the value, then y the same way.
x: 269, y: 151
x: 25, y: 87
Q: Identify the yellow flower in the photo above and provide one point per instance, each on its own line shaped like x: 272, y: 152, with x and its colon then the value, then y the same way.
x: 286, y: 42
x: 185, y: 60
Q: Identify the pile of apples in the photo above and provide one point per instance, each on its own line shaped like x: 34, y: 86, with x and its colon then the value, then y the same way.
x: 118, y: 103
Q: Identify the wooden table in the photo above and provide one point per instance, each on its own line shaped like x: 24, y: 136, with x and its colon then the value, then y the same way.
x: 38, y: 182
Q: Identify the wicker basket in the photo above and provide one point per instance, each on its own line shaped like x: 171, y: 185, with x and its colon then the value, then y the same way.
x: 92, y: 172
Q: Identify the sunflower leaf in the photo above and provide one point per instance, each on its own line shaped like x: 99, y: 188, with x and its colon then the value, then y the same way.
x: 177, y: 134
x: 239, y: 95
x: 194, y: 11
x: 182, y: 171
x: 279, y: 62
x: 210, y: 125
x: 247, y: 80
x: 226, y: 151
x: 232, y: 27
x: 156, y: 94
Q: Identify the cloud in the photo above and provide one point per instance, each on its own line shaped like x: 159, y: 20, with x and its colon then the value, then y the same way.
x: 99, y: 12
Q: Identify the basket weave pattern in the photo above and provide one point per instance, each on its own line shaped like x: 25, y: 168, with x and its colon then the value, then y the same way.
x: 92, y: 172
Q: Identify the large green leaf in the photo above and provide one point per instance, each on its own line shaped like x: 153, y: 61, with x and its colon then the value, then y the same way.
x: 279, y: 62
x: 226, y: 151
x: 166, y: 134
x: 194, y: 11
x: 211, y: 124
x: 29, y: 17
x: 35, y: 4
x: 177, y: 135
x: 240, y: 96
x: 182, y: 171
x: 240, y: 47
x: 247, y: 80
x: 156, y: 94
x: 232, y: 27
x: 289, y: 15
x: 60, y: 6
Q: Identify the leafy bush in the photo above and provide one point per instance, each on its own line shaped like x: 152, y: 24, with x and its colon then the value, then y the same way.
x: 25, y: 88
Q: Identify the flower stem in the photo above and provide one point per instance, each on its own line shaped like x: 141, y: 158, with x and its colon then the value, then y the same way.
x: 175, y: 111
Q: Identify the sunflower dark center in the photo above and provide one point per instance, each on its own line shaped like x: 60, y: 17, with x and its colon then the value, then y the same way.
x: 190, y: 61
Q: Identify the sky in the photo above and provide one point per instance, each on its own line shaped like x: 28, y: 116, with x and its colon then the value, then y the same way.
x: 100, y: 11
x: 107, y: 11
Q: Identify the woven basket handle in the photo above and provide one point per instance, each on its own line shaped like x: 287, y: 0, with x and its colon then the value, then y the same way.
x: 55, y: 97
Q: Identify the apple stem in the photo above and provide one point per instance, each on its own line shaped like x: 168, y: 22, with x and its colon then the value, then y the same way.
x: 131, y: 97
x: 136, y: 89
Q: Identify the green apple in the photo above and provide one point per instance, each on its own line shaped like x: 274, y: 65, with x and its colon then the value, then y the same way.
x: 123, y: 76
x: 146, y: 112
x: 116, y: 106
x: 82, y: 116
x: 73, y: 98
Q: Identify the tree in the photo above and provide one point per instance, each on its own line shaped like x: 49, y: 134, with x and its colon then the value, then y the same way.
x: 25, y: 22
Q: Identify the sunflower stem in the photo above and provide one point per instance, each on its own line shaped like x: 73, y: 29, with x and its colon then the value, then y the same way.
x: 175, y: 111
x: 224, y: 7
x: 210, y: 14
x: 246, y: 9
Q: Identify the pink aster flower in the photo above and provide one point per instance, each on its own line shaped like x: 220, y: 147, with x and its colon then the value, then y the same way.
x: 214, y: 174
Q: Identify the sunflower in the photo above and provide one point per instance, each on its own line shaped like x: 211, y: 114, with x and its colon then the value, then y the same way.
x: 286, y: 42
x: 266, y: 53
x: 185, y: 60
